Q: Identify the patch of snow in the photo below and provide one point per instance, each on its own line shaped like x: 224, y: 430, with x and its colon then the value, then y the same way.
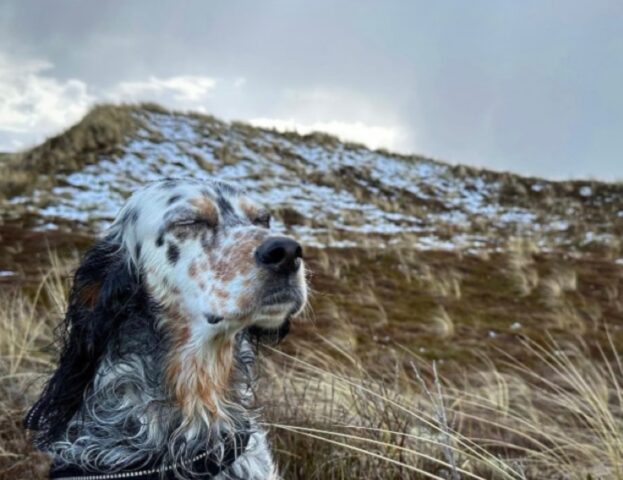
x: 592, y: 237
x: 452, y: 217
x: 342, y: 244
x: 432, y: 242
x: 586, y: 191
x: 558, y: 225
x: 518, y: 216
x: 7, y: 273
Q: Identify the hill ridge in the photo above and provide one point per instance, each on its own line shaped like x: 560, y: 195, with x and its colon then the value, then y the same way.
x: 328, y: 192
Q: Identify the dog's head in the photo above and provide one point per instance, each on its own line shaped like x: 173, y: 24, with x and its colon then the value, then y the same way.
x: 208, y: 258
x: 192, y: 262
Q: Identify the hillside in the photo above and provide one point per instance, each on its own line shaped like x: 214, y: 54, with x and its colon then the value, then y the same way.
x: 326, y: 192
x: 412, y: 260
x: 344, y: 201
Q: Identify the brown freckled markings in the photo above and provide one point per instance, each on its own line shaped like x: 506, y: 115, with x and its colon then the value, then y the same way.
x: 177, y: 327
x: 222, y: 294
x: 207, y: 208
x: 179, y: 334
x: 249, y: 209
x: 245, y: 268
x: 175, y: 291
x: 236, y: 258
x: 181, y: 234
x: 259, y: 236
x: 244, y: 302
x: 192, y: 269
x: 223, y: 272
x: 227, y: 251
x: 193, y: 380
x: 243, y: 254
x: 182, y: 336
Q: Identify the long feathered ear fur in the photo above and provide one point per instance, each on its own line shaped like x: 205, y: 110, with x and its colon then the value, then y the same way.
x: 104, y: 288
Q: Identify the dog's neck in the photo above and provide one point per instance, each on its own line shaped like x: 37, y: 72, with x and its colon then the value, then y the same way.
x: 154, y: 401
x: 199, y: 367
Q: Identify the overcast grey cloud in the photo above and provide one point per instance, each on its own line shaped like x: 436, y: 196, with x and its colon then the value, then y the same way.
x: 531, y: 86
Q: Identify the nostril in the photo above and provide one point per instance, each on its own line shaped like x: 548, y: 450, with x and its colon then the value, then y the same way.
x: 274, y: 255
x: 299, y: 252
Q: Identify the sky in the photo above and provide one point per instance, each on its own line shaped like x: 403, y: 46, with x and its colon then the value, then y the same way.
x: 534, y: 87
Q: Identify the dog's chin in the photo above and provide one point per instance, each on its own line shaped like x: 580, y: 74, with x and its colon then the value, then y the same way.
x: 274, y: 315
x: 271, y: 319
x: 270, y: 324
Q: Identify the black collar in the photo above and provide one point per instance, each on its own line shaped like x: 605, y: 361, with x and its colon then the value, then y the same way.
x: 204, y: 466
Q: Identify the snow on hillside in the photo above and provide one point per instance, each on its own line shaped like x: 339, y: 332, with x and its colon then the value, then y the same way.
x: 339, y: 191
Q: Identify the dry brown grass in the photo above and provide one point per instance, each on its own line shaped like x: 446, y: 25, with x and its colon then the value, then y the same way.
x: 558, y: 283
x: 27, y: 322
x: 441, y: 283
x: 521, y: 265
x: 336, y: 409
x: 442, y: 323
x: 101, y: 132
x: 335, y: 420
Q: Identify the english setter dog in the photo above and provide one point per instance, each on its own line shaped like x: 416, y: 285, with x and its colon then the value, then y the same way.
x: 155, y: 377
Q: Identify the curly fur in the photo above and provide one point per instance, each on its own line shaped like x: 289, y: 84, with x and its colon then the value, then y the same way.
x: 156, y: 362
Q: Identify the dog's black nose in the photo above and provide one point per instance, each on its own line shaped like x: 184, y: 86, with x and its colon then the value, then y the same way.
x: 280, y: 254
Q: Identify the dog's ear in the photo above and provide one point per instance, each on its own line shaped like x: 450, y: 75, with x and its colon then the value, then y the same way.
x: 103, y: 287
x: 269, y: 336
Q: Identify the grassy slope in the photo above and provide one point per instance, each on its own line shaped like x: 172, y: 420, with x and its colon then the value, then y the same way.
x: 377, y: 313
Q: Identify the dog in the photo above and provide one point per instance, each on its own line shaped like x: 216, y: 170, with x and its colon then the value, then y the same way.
x: 156, y: 372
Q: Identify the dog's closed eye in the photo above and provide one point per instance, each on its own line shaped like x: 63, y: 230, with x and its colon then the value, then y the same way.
x: 195, y: 223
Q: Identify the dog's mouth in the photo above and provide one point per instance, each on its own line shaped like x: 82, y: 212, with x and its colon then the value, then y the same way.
x: 271, y: 310
x: 283, y: 296
x: 278, y: 304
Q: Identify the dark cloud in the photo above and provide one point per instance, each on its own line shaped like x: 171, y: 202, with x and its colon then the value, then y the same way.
x: 528, y: 86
